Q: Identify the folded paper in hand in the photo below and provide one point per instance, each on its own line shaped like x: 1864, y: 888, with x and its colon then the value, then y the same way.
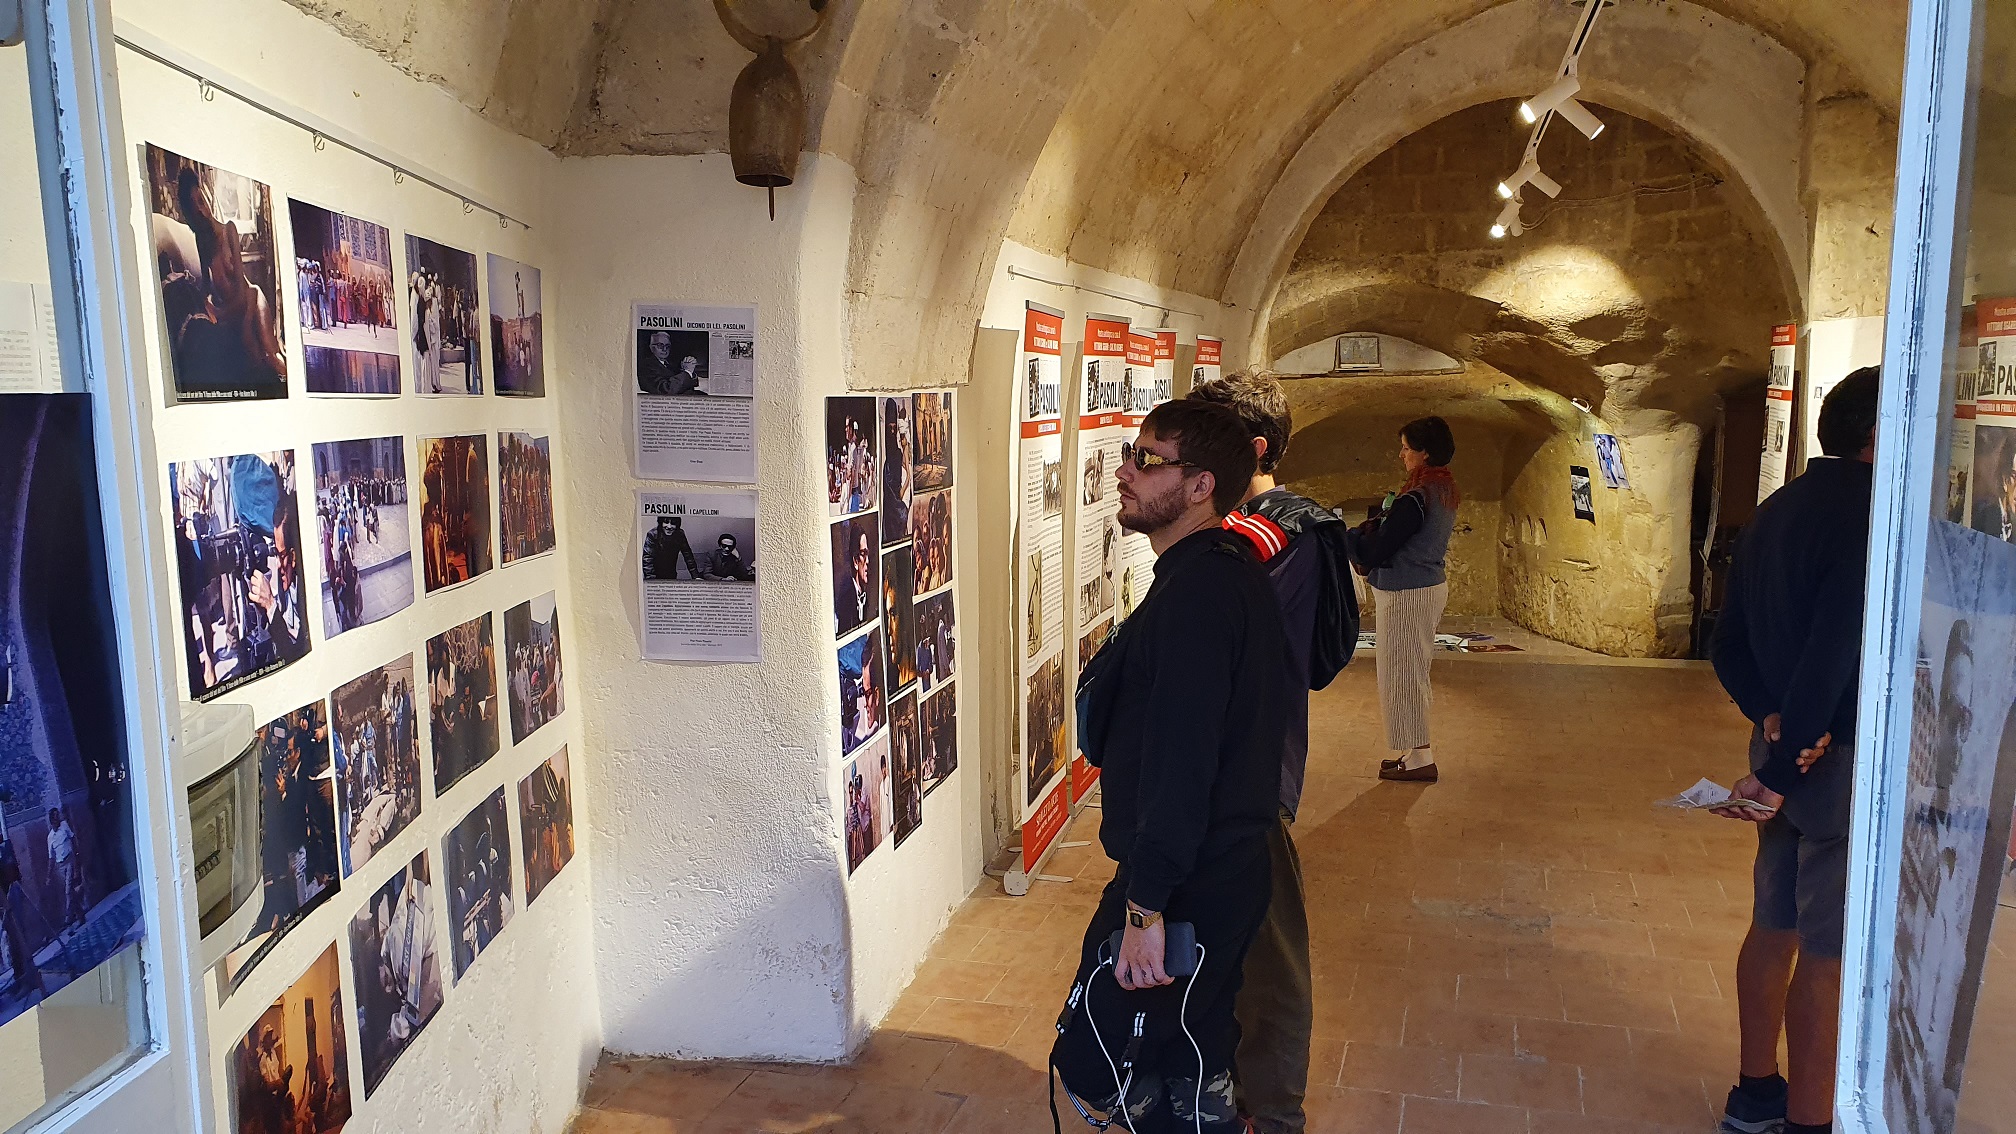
x: 1709, y: 794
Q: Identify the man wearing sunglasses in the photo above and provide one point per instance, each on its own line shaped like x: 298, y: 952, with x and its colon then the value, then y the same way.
x: 1184, y: 709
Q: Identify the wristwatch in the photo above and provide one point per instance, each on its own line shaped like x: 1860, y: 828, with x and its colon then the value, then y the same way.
x: 1140, y: 918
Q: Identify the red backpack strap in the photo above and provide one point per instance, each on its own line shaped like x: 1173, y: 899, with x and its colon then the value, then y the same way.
x: 1265, y: 535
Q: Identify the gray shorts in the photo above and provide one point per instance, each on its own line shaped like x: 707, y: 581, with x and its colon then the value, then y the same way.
x: 1801, y: 874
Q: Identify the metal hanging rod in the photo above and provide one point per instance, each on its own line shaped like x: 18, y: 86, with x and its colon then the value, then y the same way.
x: 1166, y: 309
x: 211, y: 80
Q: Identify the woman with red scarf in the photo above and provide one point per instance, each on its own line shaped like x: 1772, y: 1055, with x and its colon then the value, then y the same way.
x: 1402, y: 551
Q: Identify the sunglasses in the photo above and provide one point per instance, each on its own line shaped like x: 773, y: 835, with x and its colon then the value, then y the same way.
x: 1143, y: 460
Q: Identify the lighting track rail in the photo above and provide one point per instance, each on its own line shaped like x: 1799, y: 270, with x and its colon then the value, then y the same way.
x: 1557, y: 101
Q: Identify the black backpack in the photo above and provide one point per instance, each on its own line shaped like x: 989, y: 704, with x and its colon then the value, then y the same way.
x: 1335, y: 637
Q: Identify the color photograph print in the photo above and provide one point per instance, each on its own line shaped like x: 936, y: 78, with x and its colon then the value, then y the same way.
x: 863, y: 700
x: 867, y: 801
x: 68, y: 894
x: 1995, y: 481
x: 938, y: 731
x: 672, y: 362
x: 546, y: 822
x: 517, y: 328
x: 344, y: 294
x: 298, y: 866
x: 525, y: 495
x: 374, y: 721
x: 476, y: 866
x: 454, y: 509
x: 395, y: 964
x: 931, y: 428
x: 899, y: 620
x: 367, y: 551
x: 851, y: 483
x: 1045, y: 749
x: 441, y: 319
x: 532, y: 664
x: 220, y: 293
x: 937, y: 640
x: 896, y: 473
x: 244, y: 610
x: 931, y: 540
x: 906, y: 769
x: 726, y: 549
x: 857, y: 590
x: 462, y: 700
x: 290, y: 1073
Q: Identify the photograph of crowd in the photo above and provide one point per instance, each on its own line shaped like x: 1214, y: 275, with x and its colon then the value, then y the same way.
x: 931, y: 431
x: 931, y: 538
x: 68, y: 893
x: 906, y: 775
x: 525, y: 495
x: 517, y: 332
x: 671, y: 362
x: 1045, y: 749
x: 896, y: 475
x: 851, y: 483
x: 532, y: 654
x: 298, y: 868
x: 220, y: 291
x: 856, y: 590
x: 727, y: 549
x: 441, y: 298
x: 395, y: 963
x: 1995, y: 481
x: 938, y: 730
x: 343, y: 286
x: 454, y: 509
x: 862, y: 701
x: 462, y: 700
x: 290, y: 1074
x: 868, y: 805
x: 376, y: 729
x: 476, y: 861
x: 899, y: 620
x: 238, y: 559
x: 546, y: 822
x: 367, y: 551
x: 937, y: 640
x: 1053, y: 488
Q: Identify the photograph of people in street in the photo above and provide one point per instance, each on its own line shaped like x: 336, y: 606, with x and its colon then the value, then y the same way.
x: 375, y: 727
x: 868, y: 805
x: 454, y: 509
x: 525, y: 495
x: 906, y: 775
x: 1045, y: 749
x: 931, y: 430
x: 863, y: 703
x: 931, y: 538
x: 395, y: 964
x: 937, y: 640
x: 290, y: 1073
x: 851, y: 482
x: 441, y: 309
x: 899, y: 620
x: 220, y: 291
x: 938, y: 728
x: 298, y: 866
x: 476, y: 864
x: 360, y: 512
x: 244, y: 610
x: 343, y: 288
x: 671, y: 362
x: 462, y: 700
x: 857, y: 591
x: 517, y: 328
x: 532, y: 655
x: 546, y: 822
x: 896, y: 470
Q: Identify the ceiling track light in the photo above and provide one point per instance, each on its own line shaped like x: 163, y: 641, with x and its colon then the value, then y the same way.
x: 1529, y: 173
x: 1563, y: 90
x: 1508, y: 221
x: 1579, y: 117
x: 1558, y: 100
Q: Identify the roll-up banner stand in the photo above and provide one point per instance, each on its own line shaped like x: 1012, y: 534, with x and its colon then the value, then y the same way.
x: 1111, y: 353
x: 1779, y: 393
x: 1209, y: 366
x: 1042, y: 695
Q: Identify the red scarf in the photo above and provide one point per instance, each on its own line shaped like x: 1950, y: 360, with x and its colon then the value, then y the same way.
x: 1435, y: 481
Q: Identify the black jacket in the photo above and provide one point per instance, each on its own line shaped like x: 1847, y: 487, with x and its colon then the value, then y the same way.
x: 1190, y: 737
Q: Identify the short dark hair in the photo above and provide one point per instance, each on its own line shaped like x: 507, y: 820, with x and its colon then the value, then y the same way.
x: 1430, y: 435
x: 1211, y: 438
x: 1848, y: 416
x: 1260, y: 402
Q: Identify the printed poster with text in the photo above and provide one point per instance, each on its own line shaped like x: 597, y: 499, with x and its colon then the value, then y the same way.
x: 1145, y: 391
x: 1778, y: 400
x: 1210, y: 364
x: 693, y: 377
x: 696, y: 576
x: 1960, y: 443
x: 1993, y: 491
x: 1039, y: 581
x: 1112, y: 354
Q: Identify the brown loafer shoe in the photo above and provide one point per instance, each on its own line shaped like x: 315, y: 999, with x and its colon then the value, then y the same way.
x: 1390, y: 765
x: 1425, y: 774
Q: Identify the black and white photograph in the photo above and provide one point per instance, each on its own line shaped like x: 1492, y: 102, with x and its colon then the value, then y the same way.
x: 1581, y: 494
x: 931, y: 540
x: 298, y: 867
x: 375, y: 727
x: 532, y: 664
x: 1094, y: 489
x: 866, y: 779
x: 693, y: 373
x: 937, y: 640
x: 906, y: 768
x: 897, y: 486
x: 899, y: 620
x: 672, y: 362
x: 524, y: 495
x: 1097, y: 593
x: 1045, y: 748
x: 290, y: 1072
x: 220, y: 284
x: 938, y: 731
x: 696, y: 557
x: 476, y: 869
x: 546, y: 822
x: 244, y: 610
x: 857, y: 589
x: 1995, y: 481
x: 442, y: 323
x: 863, y: 696
x: 517, y: 328
x: 1032, y: 610
x: 1053, y: 489
x: 454, y: 509
x: 931, y: 430
x: 851, y: 481
x: 395, y: 963
x: 696, y: 547
x: 367, y: 549
x: 343, y: 290
x: 462, y: 700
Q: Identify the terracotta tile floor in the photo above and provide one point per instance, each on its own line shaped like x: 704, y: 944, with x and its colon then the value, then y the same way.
x: 1527, y: 946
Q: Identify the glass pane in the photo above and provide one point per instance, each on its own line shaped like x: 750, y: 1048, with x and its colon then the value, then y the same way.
x: 72, y: 1007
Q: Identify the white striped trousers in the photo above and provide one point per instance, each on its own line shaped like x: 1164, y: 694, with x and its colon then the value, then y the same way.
x: 1406, y: 647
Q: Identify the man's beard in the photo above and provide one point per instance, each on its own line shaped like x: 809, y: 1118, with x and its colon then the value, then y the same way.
x: 1150, y: 514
